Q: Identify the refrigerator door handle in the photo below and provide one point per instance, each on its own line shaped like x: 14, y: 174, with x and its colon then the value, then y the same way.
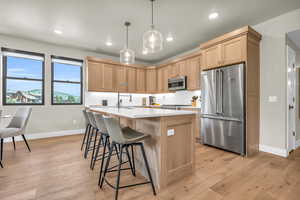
x: 221, y: 118
x: 221, y: 91
x: 217, y: 91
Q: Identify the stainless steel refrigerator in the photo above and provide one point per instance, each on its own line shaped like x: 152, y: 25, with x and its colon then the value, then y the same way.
x: 223, y: 108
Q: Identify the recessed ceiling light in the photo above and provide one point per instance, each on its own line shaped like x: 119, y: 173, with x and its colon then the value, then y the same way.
x: 170, y: 38
x: 145, y: 52
x: 109, y: 43
x: 213, y: 15
x: 59, y: 32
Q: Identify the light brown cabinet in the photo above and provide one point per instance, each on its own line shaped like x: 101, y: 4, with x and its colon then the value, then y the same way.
x: 160, y: 80
x: 131, y: 79
x: 141, y: 80
x: 193, y: 73
x: 107, y: 78
x: 234, y: 51
x: 211, y: 57
x: 94, y: 76
x: 151, y: 78
x: 121, y: 83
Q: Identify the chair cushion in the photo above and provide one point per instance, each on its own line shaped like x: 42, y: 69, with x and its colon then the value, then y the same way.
x: 9, y: 132
x: 132, y: 135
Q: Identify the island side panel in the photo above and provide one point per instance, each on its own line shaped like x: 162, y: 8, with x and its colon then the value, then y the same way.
x: 150, y: 126
x: 178, y: 149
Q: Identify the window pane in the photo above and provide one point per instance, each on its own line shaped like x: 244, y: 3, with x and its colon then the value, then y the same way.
x: 23, y: 91
x: 66, y: 72
x: 66, y: 93
x: 24, y: 68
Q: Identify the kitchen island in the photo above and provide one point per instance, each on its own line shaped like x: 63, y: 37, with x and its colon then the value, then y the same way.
x: 170, y: 149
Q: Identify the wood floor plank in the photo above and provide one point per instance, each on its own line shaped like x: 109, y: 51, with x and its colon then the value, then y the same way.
x: 56, y: 170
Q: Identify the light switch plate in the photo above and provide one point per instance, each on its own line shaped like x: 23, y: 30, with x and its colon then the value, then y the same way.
x: 272, y: 99
x: 171, y: 132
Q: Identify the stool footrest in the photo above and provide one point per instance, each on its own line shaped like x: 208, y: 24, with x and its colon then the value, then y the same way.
x: 126, y: 186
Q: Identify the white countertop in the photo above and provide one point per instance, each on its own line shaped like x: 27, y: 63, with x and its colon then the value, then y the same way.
x: 137, y: 113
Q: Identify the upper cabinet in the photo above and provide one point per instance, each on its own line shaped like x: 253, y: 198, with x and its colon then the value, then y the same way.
x: 193, y: 73
x: 131, y: 79
x: 107, y: 77
x: 140, y: 80
x: 227, y: 49
x: 95, y: 70
x: 151, y: 78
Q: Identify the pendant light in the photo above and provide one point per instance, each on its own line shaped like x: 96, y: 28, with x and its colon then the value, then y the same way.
x: 152, y: 39
x: 127, y: 56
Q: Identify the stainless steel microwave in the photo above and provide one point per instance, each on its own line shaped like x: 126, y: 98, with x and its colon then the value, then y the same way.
x: 177, y: 83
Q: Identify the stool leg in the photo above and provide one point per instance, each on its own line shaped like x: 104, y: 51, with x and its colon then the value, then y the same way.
x: 147, y: 167
x: 107, y: 163
x: 119, y: 172
x: 26, y: 143
x: 1, y: 157
x: 13, y: 139
x: 89, y: 142
x: 103, y: 158
x: 95, y: 141
x: 1, y: 164
x: 130, y: 161
x: 97, y: 151
x: 85, y: 135
x: 132, y: 156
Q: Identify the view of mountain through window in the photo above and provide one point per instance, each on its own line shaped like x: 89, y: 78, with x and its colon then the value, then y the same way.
x: 67, y: 83
x: 24, y: 80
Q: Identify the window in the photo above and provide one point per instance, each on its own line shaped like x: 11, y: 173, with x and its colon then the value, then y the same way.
x: 23, y: 77
x: 66, y: 81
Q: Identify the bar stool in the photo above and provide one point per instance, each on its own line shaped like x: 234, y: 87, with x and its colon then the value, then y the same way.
x: 106, y: 144
x: 124, y: 138
x: 92, y: 137
x: 1, y: 164
x: 87, y: 129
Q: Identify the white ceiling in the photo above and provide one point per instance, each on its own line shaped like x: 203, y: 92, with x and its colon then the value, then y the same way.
x: 295, y: 37
x: 87, y: 24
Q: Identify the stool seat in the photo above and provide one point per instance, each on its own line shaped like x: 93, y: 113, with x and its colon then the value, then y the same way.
x: 131, y: 135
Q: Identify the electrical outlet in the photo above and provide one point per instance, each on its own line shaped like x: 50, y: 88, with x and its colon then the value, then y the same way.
x: 171, y: 132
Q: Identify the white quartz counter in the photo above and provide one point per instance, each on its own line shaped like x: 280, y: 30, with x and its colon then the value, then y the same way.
x: 136, y: 113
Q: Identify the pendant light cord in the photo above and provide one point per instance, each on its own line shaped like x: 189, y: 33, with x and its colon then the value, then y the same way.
x: 127, y: 37
x: 152, y: 15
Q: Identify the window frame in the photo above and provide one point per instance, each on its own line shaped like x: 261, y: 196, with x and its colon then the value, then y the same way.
x: 60, y: 81
x: 5, y: 77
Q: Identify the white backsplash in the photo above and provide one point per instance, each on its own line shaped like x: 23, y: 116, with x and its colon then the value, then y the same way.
x: 179, y: 97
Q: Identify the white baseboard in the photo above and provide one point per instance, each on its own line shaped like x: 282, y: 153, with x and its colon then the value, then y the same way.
x: 47, y: 135
x: 273, y: 150
x: 297, y: 144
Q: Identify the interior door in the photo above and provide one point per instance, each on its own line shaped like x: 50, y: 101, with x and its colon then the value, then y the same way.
x: 232, y: 91
x: 291, y: 60
x: 209, y: 88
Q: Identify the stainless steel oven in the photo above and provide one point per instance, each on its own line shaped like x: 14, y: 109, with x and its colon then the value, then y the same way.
x: 177, y: 83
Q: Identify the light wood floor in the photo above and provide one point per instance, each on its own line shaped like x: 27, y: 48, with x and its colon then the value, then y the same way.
x: 56, y: 170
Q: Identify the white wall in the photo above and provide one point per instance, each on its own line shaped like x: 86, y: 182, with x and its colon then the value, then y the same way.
x: 180, y: 97
x: 50, y: 118
x: 273, y: 78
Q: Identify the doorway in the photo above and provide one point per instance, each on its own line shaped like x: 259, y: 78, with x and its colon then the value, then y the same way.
x: 293, y: 94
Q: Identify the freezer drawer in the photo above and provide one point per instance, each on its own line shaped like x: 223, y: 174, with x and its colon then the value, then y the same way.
x: 225, y: 134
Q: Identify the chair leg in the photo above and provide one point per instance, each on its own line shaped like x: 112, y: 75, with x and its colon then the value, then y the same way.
x: 119, y: 173
x: 147, y: 167
x: 85, y: 134
x: 13, y: 139
x: 1, y: 164
x: 1, y: 156
x: 94, y: 147
x: 111, y: 149
x: 89, y: 142
x: 103, y: 158
x: 132, y: 156
x: 130, y: 161
x: 26, y: 143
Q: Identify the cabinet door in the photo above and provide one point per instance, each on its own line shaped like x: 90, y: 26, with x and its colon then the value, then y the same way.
x: 160, y: 81
x: 165, y: 72
x: 193, y: 73
x: 234, y: 51
x: 107, y: 77
x: 94, y: 73
x: 121, y: 79
x: 131, y: 77
x: 141, y: 80
x: 173, y: 70
x: 212, y: 57
x: 151, y: 80
x: 183, y: 71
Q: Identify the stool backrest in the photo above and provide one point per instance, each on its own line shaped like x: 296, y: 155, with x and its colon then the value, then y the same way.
x: 91, y: 118
x: 20, y: 119
x: 86, y: 118
x: 100, y: 122
x: 114, y: 130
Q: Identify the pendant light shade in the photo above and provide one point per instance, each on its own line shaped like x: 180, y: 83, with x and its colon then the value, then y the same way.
x: 127, y: 56
x: 153, y: 39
